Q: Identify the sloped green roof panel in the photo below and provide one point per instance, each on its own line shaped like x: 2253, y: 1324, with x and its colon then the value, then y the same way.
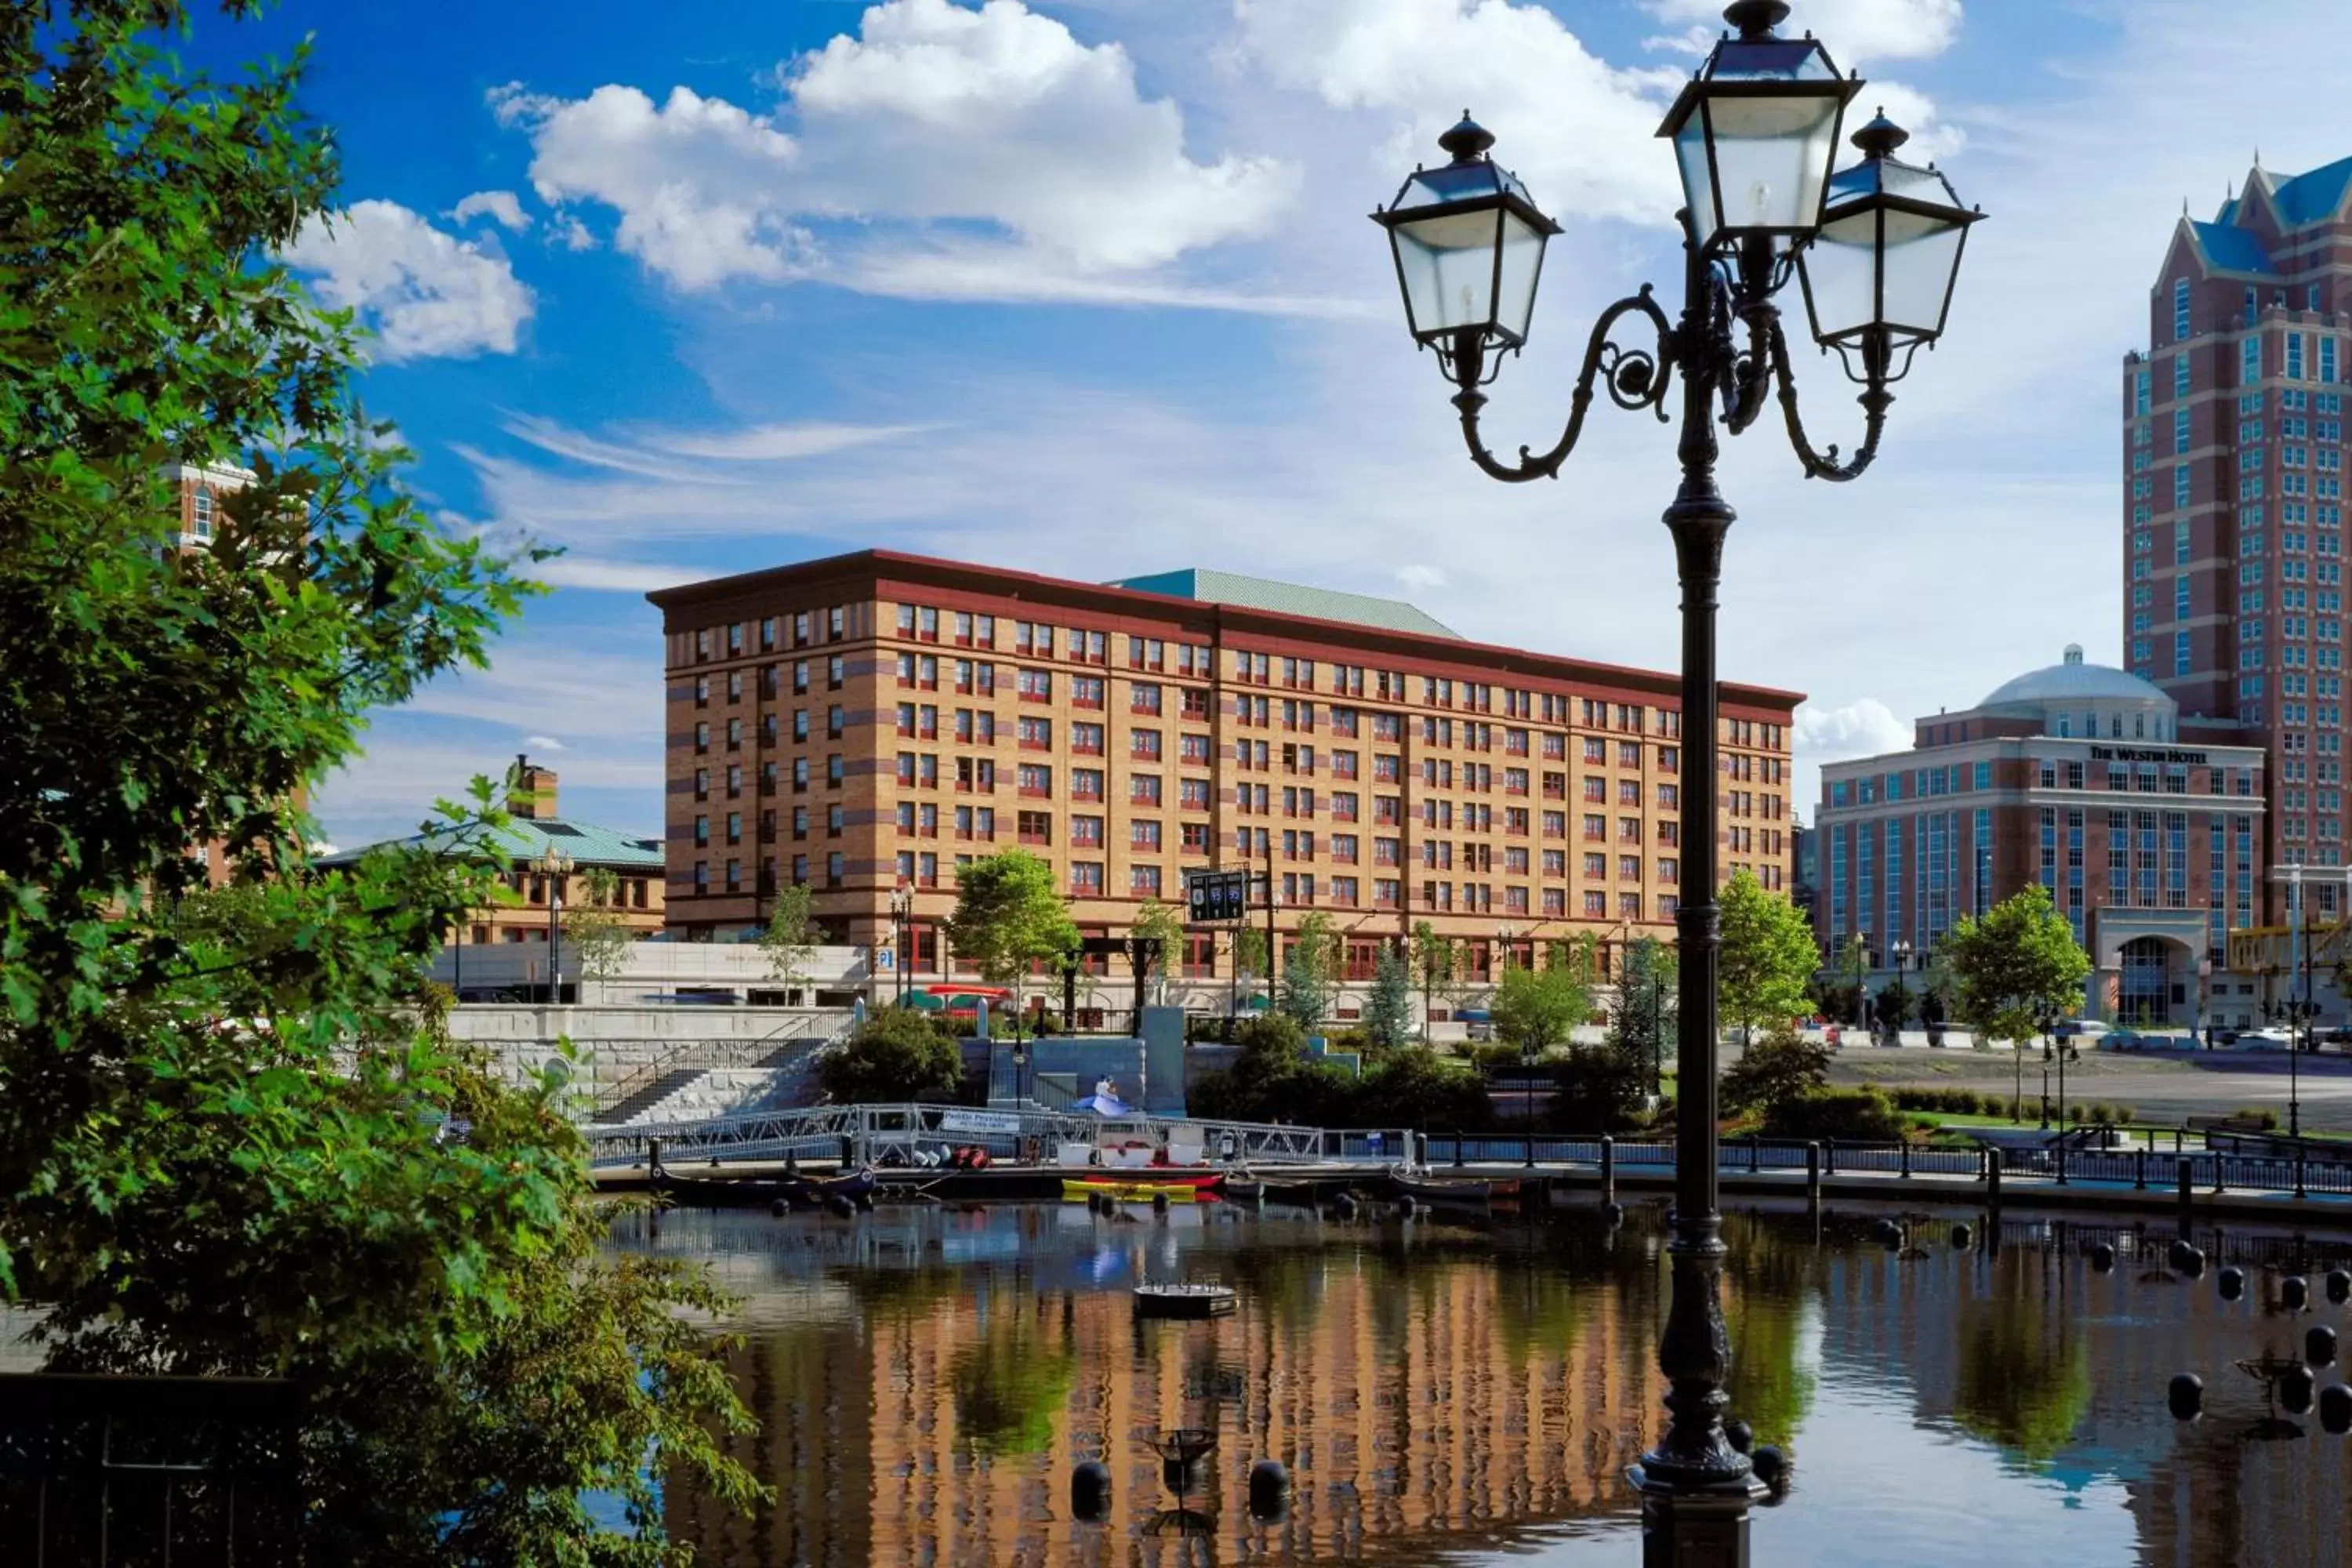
x: 1290, y: 599
x: 526, y: 838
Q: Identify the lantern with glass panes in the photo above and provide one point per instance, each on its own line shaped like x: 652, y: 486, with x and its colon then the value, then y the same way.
x: 1877, y: 247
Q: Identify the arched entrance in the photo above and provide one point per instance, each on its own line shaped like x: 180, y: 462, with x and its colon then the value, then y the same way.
x: 2144, y: 989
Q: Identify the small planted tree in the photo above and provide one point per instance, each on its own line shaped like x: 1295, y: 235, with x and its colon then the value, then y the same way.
x: 1249, y: 954
x: 1643, y: 1023
x: 1767, y: 957
x: 2016, y: 964
x: 1776, y: 1069
x: 596, y: 929
x: 1434, y: 961
x: 1534, y: 1009
x: 1304, y: 992
x: 1008, y: 916
x: 1156, y: 921
x: 1388, y: 1011
x: 789, y: 939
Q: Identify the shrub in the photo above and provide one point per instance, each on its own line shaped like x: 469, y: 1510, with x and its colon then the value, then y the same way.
x: 1863, y: 1115
x: 2102, y: 1112
x: 897, y: 1055
x: 2123, y: 1115
x: 1777, y: 1066
x: 1599, y: 1089
x: 1415, y: 1088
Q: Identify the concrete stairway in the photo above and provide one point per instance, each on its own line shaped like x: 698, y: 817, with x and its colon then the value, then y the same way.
x: 784, y: 1079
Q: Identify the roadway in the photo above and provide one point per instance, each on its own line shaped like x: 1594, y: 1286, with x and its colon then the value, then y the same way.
x: 2160, y: 1086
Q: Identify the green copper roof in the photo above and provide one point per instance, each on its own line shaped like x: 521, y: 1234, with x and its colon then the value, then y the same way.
x: 526, y: 838
x: 1290, y: 599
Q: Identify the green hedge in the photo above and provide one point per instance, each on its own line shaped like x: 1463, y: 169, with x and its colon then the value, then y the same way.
x: 1863, y: 1115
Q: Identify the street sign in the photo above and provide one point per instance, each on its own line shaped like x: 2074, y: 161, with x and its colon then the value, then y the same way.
x: 1214, y: 896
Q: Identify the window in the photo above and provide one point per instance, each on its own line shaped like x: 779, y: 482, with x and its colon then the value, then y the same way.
x: 2180, y: 314
x: 1037, y: 827
x: 2250, y: 363
x: 1036, y: 781
x: 1086, y: 878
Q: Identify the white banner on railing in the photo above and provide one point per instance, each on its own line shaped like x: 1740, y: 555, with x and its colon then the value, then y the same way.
x: 997, y: 1121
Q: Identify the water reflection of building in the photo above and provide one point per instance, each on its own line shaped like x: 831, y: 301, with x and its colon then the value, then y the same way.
x: 1454, y: 1397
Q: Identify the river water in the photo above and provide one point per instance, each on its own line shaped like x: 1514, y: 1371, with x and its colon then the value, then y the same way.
x: 1469, y: 1392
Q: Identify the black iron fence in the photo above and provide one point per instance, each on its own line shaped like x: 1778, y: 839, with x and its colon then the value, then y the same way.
x: 109, y: 1472
x: 2210, y: 1170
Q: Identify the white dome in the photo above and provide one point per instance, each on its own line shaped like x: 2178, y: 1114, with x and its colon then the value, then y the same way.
x: 2072, y: 680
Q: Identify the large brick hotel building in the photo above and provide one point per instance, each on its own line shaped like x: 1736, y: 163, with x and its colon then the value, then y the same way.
x: 867, y: 721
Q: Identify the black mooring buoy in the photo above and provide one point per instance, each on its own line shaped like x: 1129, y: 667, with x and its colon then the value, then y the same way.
x: 2319, y: 1346
x: 2335, y: 1409
x: 2232, y: 1283
x: 2103, y: 1257
x: 2294, y: 1293
x: 1960, y: 1239
x: 1771, y: 1465
x: 2339, y: 1285
x: 2186, y: 1396
x: 2296, y: 1389
x: 1269, y: 1489
x: 1090, y: 1490
x: 1740, y: 1435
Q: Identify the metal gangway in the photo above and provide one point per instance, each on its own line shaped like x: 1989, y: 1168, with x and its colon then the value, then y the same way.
x: 893, y: 1133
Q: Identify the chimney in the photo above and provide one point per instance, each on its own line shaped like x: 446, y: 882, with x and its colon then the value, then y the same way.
x: 531, y: 789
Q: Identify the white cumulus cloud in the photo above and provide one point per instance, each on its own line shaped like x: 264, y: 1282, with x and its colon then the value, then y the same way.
x: 502, y: 207
x: 1855, y: 30
x: 425, y: 292
x: 1863, y: 728
x: 890, y: 147
x: 1578, y: 129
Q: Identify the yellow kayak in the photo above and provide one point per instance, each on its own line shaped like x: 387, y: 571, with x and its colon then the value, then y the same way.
x: 1132, y: 1192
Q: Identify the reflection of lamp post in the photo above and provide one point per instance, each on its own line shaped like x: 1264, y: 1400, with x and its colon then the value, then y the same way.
x: 1530, y: 1057
x: 1877, y: 247
x: 554, y: 865
x: 1020, y: 1073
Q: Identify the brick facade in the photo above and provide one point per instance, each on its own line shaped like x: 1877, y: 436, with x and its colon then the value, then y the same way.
x: 872, y: 719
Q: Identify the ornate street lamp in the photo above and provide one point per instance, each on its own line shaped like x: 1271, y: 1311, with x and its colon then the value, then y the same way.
x: 554, y: 865
x: 1755, y: 137
x: 902, y: 910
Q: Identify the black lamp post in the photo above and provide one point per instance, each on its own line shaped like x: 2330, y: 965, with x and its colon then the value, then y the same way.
x: 1861, y: 945
x: 1877, y: 247
x: 555, y: 866
x: 902, y: 910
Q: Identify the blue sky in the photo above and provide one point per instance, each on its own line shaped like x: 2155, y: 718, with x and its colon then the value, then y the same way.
x: 1086, y: 287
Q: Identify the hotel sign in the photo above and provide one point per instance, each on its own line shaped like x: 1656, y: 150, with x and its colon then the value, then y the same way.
x: 2146, y: 754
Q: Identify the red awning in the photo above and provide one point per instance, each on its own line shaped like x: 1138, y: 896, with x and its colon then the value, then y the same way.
x: 993, y: 992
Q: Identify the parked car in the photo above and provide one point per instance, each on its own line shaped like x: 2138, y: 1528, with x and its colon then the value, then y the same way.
x: 2123, y: 1040
x: 2260, y: 1040
x: 2339, y: 1035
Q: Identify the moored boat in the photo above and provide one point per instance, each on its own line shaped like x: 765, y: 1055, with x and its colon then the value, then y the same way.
x: 762, y: 1192
x: 1137, y: 1192
x: 1424, y: 1190
x: 1143, y: 1175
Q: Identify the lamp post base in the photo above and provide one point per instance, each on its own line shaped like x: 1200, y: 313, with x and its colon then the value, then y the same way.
x: 1694, y: 1526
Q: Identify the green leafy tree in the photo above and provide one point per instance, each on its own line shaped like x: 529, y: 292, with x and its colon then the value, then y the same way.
x: 1304, y: 992
x: 1435, y: 962
x: 790, y: 937
x: 2015, y: 963
x: 1534, y: 1009
x: 595, y: 928
x: 226, y: 1140
x: 1388, y: 1011
x: 1165, y: 925
x: 1775, y: 1069
x: 1767, y: 957
x: 1249, y: 956
x: 1417, y: 1088
x: 897, y: 1054
x: 1008, y: 916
